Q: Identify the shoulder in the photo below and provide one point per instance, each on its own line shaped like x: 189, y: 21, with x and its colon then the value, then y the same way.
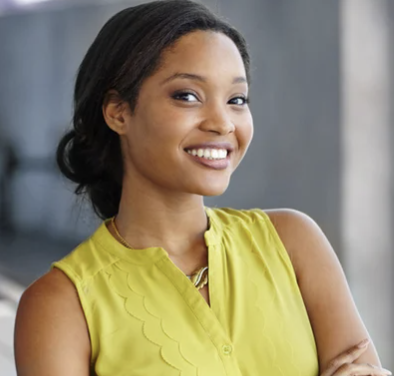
x: 282, y: 218
x: 52, y: 298
x: 90, y: 257
x: 54, y: 286
x: 297, y: 231
x: 292, y: 225
x: 50, y: 327
x: 300, y: 235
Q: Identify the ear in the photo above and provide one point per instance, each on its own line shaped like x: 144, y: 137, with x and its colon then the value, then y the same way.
x: 115, y: 111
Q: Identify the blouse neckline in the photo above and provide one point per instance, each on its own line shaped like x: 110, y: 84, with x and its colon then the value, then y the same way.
x: 151, y: 255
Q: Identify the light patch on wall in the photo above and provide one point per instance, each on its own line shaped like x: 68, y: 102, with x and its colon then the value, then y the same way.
x: 29, y: 2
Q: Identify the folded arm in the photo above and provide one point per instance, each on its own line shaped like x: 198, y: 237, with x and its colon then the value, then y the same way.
x: 335, y: 321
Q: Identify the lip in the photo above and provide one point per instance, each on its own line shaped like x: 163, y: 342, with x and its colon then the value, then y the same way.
x: 212, y: 145
x: 216, y: 164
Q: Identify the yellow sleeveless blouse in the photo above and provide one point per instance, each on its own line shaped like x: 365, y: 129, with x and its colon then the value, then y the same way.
x: 146, y: 318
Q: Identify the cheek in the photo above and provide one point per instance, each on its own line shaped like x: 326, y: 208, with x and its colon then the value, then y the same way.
x: 159, y: 132
x: 245, y: 132
x: 168, y: 126
x: 171, y: 130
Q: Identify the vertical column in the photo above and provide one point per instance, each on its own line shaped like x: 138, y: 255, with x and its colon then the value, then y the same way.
x: 367, y: 164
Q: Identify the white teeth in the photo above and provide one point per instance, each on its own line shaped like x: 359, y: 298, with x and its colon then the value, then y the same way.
x: 209, y: 153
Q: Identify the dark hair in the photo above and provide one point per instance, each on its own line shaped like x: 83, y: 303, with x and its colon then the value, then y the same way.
x: 126, y: 51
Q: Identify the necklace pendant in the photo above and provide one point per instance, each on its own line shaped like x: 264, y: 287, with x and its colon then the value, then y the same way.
x: 200, y: 277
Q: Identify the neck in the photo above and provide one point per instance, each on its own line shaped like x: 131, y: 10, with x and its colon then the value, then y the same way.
x: 174, y: 222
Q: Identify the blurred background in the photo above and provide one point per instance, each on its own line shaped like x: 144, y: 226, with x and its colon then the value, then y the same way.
x: 322, y: 99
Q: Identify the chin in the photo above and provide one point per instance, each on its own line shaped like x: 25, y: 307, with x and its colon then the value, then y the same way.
x: 213, y: 189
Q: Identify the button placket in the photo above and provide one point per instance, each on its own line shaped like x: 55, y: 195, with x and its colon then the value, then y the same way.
x: 227, y: 349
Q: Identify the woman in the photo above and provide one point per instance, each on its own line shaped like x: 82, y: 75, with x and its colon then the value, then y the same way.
x: 167, y: 286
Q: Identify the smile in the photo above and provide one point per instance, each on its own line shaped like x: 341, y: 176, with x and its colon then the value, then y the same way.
x: 217, y: 159
x: 209, y: 153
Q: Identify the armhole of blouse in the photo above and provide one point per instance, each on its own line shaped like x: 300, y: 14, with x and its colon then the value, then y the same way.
x: 78, y: 283
x: 277, y: 241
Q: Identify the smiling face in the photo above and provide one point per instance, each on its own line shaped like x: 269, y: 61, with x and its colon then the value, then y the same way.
x: 198, y: 96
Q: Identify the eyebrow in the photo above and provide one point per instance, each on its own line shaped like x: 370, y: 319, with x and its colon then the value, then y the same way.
x: 196, y: 77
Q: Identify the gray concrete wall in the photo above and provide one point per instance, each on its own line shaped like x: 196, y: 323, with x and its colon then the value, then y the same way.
x: 40, y: 53
x: 367, y: 126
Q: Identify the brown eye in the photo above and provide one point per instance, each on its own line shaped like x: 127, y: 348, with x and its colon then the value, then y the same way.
x: 239, y: 101
x: 185, y: 96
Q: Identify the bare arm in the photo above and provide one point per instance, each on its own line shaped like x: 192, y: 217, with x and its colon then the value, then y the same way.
x: 51, y: 336
x: 336, y: 323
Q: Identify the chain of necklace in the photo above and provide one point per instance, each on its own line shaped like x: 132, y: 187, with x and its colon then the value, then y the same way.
x: 199, y: 278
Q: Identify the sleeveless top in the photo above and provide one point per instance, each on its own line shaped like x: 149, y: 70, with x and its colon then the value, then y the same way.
x: 145, y: 317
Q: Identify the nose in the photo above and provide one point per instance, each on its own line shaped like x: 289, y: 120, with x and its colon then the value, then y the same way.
x: 218, y: 120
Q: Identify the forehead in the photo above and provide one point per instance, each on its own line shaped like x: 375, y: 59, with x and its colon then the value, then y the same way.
x: 203, y: 52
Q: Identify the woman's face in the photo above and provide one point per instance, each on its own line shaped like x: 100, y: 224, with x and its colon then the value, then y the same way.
x: 198, y: 96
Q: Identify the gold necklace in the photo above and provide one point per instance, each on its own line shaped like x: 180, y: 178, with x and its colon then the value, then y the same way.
x: 199, y: 278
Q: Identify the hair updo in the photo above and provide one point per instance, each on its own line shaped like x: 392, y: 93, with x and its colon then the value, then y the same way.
x: 126, y: 51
